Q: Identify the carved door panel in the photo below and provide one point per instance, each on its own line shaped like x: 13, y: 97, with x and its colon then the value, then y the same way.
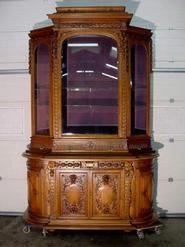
x: 106, y: 194
x: 73, y: 194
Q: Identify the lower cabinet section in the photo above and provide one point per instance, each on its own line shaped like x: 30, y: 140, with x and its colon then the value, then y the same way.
x: 90, y: 194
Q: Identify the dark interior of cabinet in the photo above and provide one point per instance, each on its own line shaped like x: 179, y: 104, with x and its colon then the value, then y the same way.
x: 138, y: 89
x: 42, y: 89
x: 89, y: 85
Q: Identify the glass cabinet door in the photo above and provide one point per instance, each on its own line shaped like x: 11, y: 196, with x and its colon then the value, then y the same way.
x: 42, y: 75
x: 89, y: 85
x: 138, y: 89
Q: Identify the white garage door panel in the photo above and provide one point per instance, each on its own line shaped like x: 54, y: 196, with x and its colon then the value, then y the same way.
x: 171, y: 196
x: 172, y: 84
x: 171, y: 170
x: 14, y: 50
x: 22, y: 15
x: 15, y: 88
x: 169, y: 120
x: 13, y: 194
x: 169, y: 48
x: 15, y: 123
x: 171, y: 152
x: 169, y: 52
x: 172, y: 34
x: 15, y: 126
x: 171, y: 64
x: 12, y: 164
x: 164, y: 13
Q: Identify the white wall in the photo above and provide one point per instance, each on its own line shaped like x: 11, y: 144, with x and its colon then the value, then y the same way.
x: 167, y: 19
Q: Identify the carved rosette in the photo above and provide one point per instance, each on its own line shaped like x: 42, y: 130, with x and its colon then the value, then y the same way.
x: 106, y: 195
x: 74, y: 194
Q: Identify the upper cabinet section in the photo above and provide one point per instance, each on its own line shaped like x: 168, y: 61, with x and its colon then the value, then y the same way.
x: 90, y: 82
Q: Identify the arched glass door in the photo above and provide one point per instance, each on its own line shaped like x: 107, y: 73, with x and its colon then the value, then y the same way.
x: 89, y: 85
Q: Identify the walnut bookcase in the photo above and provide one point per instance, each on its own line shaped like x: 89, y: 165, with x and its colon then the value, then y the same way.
x: 90, y: 159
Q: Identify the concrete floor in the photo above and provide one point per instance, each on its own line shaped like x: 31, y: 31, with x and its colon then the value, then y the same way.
x: 11, y: 235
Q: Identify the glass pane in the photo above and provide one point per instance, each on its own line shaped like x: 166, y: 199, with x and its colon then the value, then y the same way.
x: 42, y: 89
x: 138, y: 89
x: 90, y: 85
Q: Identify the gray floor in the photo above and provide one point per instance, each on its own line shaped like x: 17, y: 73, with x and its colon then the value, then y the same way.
x: 173, y: 234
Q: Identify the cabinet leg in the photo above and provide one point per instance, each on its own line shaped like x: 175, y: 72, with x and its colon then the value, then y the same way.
x: 140, y: 234
x: 26, y: 229
x: 44, y: 232
x: 157, y: 230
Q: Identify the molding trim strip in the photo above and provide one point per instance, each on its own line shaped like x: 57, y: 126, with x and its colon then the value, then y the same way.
x: 13, y: 71
x: 171, y: 70
x: 172, y: 215
x: 4, y: 213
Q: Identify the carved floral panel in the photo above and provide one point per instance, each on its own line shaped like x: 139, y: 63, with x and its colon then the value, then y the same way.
x: 73, y: 194
x: 106, y: 194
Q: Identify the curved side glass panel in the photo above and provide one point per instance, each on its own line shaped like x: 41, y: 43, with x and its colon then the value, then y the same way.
x: 138, y: 89
x: 42, y: 90
x: 89, y: 85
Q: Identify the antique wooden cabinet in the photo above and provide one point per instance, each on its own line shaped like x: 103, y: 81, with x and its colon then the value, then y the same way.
x: 90, y: 160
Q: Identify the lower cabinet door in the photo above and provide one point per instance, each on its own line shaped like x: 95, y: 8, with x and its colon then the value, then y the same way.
x: 92, y: 194
x: 107, y: 191
x: 73, y: 194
